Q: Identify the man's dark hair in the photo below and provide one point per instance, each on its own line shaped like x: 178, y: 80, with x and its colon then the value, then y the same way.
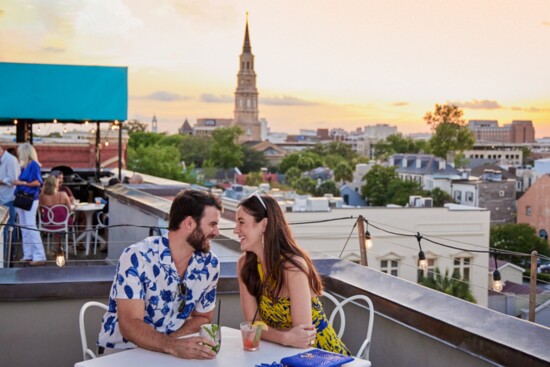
x: 190, y: 203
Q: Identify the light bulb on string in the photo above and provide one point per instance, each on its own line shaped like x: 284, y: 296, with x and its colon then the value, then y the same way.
x: 368, y: 237
x: 15, y: 122
x: 60, y: 258
x: 497, y: 279
x: 86, y: 122
x: 55, y: 121
x: 422, y: 262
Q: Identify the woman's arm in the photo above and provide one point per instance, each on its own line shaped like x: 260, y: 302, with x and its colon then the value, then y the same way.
x: 248, y: 301
x: 302, y: 332
x: 25, y: 183
x: 65, y: 200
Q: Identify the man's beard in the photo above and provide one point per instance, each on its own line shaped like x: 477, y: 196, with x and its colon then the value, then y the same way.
x: 198, y: 240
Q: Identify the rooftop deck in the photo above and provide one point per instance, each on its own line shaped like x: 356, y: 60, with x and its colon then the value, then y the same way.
x: 413, y: 325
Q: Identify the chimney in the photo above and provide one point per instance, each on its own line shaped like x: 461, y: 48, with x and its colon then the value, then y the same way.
x: 404, y: 163
x: 442, y: 164
x: 418, y: 162
x: 391, y: 161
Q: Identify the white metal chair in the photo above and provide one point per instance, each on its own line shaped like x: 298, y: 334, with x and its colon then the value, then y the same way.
x: 102, y: 220
x: 87, y: 353
x: 364, y: 350
x: 55, y: 219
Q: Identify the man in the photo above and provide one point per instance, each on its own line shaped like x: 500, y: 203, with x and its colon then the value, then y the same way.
x: 9, y: 171
x: 165, y: 286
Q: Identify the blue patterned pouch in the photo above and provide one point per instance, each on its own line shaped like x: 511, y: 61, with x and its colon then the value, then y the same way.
x: 316, y: 358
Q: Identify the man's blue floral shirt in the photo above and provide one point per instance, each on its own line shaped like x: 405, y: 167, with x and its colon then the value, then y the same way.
x: 146, y: 271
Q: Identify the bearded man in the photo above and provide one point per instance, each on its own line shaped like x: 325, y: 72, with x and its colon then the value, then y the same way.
x: 165, y: 286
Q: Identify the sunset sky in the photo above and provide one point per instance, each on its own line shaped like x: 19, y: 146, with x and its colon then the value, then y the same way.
x: 319, y: 63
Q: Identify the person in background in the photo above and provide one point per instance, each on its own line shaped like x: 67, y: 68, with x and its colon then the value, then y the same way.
x: 9, y: 172
x: 175, y: 292
x: 278, y: 281
x: 50, y: 196
x: 60, y: 186
x: 29, y: 181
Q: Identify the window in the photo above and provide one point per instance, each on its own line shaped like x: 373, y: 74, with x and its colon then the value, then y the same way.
x: 501, y: 193
x: 247, y: 103
x: 389, y: 267
x: 458, y: 196
x: 528, y: 211
x: 543, y: 234
x: 470, y: 197
x: 462, y: 266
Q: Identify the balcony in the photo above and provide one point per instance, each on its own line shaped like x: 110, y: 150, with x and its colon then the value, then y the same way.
x: 413, y: 325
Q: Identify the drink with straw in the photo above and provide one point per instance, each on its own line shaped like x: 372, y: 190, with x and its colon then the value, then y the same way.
x: 251, y: 334
x: 212, y: 332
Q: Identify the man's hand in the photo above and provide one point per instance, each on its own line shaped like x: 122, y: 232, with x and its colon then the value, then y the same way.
x: 194, y: 347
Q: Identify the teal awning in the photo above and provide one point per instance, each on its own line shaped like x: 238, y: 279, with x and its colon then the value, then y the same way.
x: 68, y: 93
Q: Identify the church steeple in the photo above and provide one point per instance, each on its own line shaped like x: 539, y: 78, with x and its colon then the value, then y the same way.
x: 247, y: 48
x: 246, y: 94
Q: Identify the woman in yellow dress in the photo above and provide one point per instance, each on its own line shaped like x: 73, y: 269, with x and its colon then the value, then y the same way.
x: 278, y: 282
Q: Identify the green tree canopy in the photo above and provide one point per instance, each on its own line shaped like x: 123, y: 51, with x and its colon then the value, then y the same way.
x: 440, y: 197
x: 453, y: 286
x: 292, y: 175
x: 450, y: 131
x: 254, y: 178
x: 519, y: 238
x: 328, y: 187
x: 225, y: 152
x: 305, y: 185
x: 253, y: 160
x: 343, y: 172
x: 397, y: 143
x: 378, y: 180
x: 398, y: 191
x: 157, y: 160
x: 134, y: 126
x: 195, y: 149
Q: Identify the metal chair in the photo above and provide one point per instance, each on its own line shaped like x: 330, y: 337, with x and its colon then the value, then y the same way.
x: 57, y: 219
x: 102, y: 222
x: 87, y: 353
x: 364, y: 349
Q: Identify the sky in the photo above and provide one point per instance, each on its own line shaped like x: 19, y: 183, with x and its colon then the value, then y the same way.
x: 319, y: 63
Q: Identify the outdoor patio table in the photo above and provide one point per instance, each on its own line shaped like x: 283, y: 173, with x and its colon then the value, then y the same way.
x: 88, y: 209
x: 231, y: 355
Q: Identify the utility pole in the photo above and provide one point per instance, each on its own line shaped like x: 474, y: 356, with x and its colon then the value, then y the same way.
x: 362, y: 245
x: 533, y: 286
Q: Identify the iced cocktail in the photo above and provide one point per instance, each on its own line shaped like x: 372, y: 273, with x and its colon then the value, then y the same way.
x: 212, y: 332
x: 251, y: 334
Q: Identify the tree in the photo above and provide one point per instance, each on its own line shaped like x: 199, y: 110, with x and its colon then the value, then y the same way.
x: 254, y: 178
x: 134, y: 126
x: 398, y: 191
x: 376, y: 189
x: 225, y: 153
x: 292, y: 175
x: 328, y: 187
x: 527, y: 159
x: 450, y: 131
x: 440, y: 197
x: 195, y: 149
x: 305, y: 185
x: 397, y: 143
x: 157, y: 160
x: 253, y: 160
x: 343, y: 172
x: 453, y: 286
x: 519, y: 238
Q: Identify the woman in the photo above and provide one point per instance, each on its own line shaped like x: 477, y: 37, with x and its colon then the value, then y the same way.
x: 30, y: 181
x: 60, y: 186
x: 277, y: 280
x: 50, y: 196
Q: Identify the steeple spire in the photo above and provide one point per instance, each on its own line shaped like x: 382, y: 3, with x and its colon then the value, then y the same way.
x: 246, y: 45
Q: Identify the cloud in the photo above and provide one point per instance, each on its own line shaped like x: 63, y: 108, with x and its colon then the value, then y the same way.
x: 530, y: 109
x: 213, y: 98
x: 399, y: 104
x: 164, y: 96
x: 478, y: 105
x: 286, y: 101
x: 53, y: 49
x: 546, y: 24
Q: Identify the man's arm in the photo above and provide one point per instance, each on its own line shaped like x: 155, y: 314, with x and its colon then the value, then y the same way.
x: 132, y: 327
x: 193, y: 323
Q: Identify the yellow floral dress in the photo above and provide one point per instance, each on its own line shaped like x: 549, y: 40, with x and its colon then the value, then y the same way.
x: 276, y: 314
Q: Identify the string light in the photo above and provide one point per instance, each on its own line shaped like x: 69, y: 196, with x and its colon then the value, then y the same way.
x: 422, y: 262
x: 55, y: 121
x: 368, y: 238
x: 497, y: 280
x: 86, y: 122
x: 15, y: 122
x: 60, y: 258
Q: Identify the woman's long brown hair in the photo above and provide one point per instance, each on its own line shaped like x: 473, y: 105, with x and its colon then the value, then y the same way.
x: 280, y: 248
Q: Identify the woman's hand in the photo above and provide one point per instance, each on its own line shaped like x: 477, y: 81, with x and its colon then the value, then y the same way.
x: 301, y: 336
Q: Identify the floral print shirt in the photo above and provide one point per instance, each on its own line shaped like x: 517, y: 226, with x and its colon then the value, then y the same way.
x: 146, y: 271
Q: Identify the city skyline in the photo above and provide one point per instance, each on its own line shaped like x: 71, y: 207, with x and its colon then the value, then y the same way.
x: 319, y: 64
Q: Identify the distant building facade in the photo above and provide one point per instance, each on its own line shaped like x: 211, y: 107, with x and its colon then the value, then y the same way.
x: 379, y: 131
x: 534, y: 206
x: 185, y: 128
x: 519, y: 131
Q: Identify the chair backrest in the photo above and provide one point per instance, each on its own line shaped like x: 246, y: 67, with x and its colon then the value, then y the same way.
x: 364, y: 349
x: 87, y: 353
x: 53, y: 218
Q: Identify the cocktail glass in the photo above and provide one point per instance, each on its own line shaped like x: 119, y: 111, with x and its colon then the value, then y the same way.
x: 214, y: 333
x: 251, y: 336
